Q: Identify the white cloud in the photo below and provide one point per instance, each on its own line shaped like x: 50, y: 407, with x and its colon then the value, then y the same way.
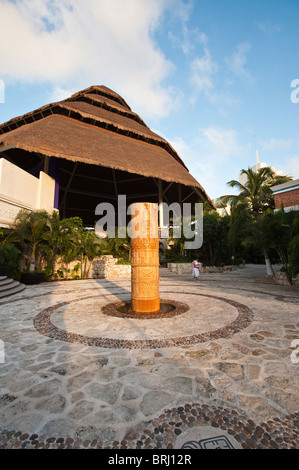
x: 275, y: 144
x: 207, y: 78
x: 212, y: 158
x: 73, y: 44
x: 291, y: 167
x: 237, y: 61
x: 222, y: 143
x: 188, y: 39
x: 269, y: 27
x: 59, y: 94
x: 203, y: 70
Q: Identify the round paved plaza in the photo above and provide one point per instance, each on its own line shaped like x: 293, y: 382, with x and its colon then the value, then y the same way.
x: 220, y: 372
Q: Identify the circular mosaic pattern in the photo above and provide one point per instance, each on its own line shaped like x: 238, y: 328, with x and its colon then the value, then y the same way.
x: 44, y: 325
x: 172, y: 430
x: 169, y: 308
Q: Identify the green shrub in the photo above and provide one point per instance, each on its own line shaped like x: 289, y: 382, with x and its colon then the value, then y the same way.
x: 15, y: 273
x: 75, y: 271
x: 293, y: 268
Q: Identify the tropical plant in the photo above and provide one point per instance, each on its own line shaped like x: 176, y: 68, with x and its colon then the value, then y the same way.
x: 256, y: 192
x: 250, y: 206
x: 67, y: 241
x: 28, y: 230
x: 119, y: 247
x: 293, y: 253
x: 53, y: 238
x: 215, y: 249
x: 177, y: 248
x: 9, y: 255
x: 89, y: 246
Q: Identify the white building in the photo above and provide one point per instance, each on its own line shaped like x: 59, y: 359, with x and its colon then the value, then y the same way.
x: 20, y: 190
x: 256, y: 167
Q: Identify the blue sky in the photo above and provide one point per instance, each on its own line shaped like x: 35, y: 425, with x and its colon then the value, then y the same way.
x: 212, y: 77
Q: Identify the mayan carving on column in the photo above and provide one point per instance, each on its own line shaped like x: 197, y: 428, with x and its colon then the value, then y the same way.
x: 145, y: 258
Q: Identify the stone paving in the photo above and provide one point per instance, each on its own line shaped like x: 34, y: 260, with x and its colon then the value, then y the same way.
x: 221, y: 373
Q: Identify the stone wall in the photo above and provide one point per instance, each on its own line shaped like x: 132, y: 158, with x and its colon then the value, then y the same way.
x: 186, y: 268
x: 103, y: 267
x: 281, y: 278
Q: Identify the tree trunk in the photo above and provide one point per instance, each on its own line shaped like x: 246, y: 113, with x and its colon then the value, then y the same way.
x: 82, y: 273
x: 32, y: 261
x: 66, y: 271
x: 32, y: 265
x: 88, y: 270
x: 269, y: 269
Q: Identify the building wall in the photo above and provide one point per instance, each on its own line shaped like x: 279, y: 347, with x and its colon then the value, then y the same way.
x: 287, y: 194
x: 288, y: 198
x: 20, y: 190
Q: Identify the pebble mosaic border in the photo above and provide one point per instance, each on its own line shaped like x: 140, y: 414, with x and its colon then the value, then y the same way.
x: 162, y: 432
x: 43, y: 324
x: 113, y: 310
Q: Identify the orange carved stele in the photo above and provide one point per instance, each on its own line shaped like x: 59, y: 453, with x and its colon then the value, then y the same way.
x: 145, y: 258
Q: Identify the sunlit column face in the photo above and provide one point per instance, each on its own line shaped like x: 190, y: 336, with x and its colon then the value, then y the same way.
x: 145, y: 258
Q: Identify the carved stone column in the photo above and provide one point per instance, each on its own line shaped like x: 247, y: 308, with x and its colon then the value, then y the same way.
x: 145, y: 259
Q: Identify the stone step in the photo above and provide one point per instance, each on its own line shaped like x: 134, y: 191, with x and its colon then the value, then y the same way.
x: 2, y: 278
x: 6, y: 281
x: 9, y: 287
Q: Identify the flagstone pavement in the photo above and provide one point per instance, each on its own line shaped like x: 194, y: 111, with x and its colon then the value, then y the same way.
x: 223, y: 371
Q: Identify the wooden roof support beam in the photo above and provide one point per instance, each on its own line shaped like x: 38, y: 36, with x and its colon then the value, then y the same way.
x: 131, y: 180
x: 46, y: 164
x: 199, y: 193
x: 81, y: 209
x: 187, y: 197
x: 180, y: 194
x: 68, y: 186
x: 165, y: 190
x: 161, y: 212
x: 88, y: 193
x: 115, y: 183
x: 134, y: 196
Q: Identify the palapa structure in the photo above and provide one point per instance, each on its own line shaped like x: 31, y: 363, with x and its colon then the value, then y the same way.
x: 96, y: 148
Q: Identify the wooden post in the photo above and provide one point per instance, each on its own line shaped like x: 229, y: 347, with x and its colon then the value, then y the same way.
x: 161, y: 215
x: 46, y: 165
x: 145, y: 260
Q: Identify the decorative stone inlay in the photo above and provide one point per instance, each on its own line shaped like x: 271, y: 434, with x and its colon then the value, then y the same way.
x: 191, y: 426
x: 115, y: 309
x: 44, y: 325
x: 206, y: 437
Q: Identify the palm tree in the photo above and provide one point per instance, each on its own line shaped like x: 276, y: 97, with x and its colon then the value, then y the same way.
x: 256, y: 192
x: 118, y: 247
x: 89, y: 246
x: 255, y: 197
x: 67, y: 242
x: 28, y: 229
x: 9, y: 253
x: 52, y: 239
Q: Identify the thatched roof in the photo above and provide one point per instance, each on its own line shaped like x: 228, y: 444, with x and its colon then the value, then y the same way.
x: 96, y: 126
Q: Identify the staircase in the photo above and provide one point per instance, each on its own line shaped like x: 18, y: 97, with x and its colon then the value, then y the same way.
x: 9, y: 286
